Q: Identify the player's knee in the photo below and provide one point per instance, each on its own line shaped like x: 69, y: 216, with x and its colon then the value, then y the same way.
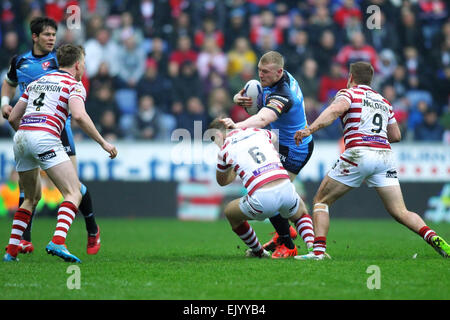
x: 402, y: 214
x: 302, y: 207
x: 35, y: 199
x: 73, y: 196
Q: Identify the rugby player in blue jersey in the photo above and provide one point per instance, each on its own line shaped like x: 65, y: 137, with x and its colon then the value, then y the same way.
x: 283, y: 110
x: 24, y: 69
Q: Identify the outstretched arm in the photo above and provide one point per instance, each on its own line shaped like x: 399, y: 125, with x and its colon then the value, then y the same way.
x: 327, y: 117
x: 264, y: 117
x: 80, y: 115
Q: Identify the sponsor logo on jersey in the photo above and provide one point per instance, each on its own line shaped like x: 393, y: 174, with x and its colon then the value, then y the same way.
x: 33, y: 120
x: 47, y: 155
x: 375, y: 139
x: 267, y: 167
x: 45, y: 65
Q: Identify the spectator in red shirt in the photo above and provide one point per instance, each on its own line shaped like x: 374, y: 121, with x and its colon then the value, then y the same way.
x: 266, y: 27
x: 346, y: 11
x: 182, y: 53
x: 331, y: 83
x: 358, y: 50
x: 209, y: 30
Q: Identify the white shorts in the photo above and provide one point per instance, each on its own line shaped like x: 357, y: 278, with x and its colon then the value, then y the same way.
x: 376, y: 167
x: 33, y: 149
x: 267, y: 202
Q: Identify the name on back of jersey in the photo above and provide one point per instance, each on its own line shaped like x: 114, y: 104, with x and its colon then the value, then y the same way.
x: 42, y: 85
x: 375, y: 105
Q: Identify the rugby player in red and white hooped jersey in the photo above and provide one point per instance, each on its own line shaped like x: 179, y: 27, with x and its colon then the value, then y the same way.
x: 250, y: 154
x: 39, y: 118
x: 369, y: 128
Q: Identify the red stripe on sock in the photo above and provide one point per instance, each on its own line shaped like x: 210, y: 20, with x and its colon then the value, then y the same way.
x: 242, y: 229
x: 319, y: 243
x: 423, y: 231
x: 320, y: 239
x: 58, y: 239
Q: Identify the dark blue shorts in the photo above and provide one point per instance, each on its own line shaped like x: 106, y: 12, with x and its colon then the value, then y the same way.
x: 67, y: 138
x: 295, y: 158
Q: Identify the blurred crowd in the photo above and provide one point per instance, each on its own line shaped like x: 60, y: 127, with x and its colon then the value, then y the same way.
x: 157, y: 65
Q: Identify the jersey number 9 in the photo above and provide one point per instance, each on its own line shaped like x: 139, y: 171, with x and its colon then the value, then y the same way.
x: 378, y: 122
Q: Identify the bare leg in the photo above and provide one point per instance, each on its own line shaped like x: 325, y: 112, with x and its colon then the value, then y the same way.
x: 234, y: 214
x: 329, y: 191
x: 243, y: 230
x: 32, y: 189
x: 393, y: 202
x: 66, y: 180
x: 27, y: 233
x: 282, y: 228
x: 31, y: 186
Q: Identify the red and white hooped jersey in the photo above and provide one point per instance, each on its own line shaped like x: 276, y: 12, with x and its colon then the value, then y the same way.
x: 252, y: 156
x: 47, y: 102
x: 365, y: 122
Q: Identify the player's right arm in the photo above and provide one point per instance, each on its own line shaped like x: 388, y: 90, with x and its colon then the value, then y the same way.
x: 9, y: 89
x: 79, y: 114
x: 327, y: 117
x: 224, y: 171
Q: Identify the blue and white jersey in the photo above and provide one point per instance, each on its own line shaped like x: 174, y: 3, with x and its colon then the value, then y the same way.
x: 26, y: 68
x: 285, y: 98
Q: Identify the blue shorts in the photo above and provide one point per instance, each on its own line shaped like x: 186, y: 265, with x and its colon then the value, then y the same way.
x: 67, y: 138
x: 294, y: 158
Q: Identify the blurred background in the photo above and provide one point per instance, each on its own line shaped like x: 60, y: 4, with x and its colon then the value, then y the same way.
x: 154, y: 66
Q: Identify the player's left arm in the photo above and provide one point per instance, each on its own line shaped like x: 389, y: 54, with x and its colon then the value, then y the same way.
x: 17, y: 113
x: 225, y: 177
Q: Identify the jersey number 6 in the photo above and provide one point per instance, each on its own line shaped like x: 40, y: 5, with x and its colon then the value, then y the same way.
x: 257, y: 155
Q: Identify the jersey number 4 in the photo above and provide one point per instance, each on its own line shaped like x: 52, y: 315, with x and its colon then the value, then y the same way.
x: 39, y: 101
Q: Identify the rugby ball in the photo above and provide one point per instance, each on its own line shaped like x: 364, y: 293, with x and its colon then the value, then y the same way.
x: 253, y: 89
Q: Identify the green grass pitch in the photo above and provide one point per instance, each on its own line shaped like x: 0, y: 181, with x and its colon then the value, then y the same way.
x: 164, y: 259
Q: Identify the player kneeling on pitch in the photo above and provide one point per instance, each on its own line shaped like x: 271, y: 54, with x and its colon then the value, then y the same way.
x: 250, y: 154
x: 39, y: 117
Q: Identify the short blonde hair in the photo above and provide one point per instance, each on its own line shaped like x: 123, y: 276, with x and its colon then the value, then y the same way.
x: 272, y: 57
